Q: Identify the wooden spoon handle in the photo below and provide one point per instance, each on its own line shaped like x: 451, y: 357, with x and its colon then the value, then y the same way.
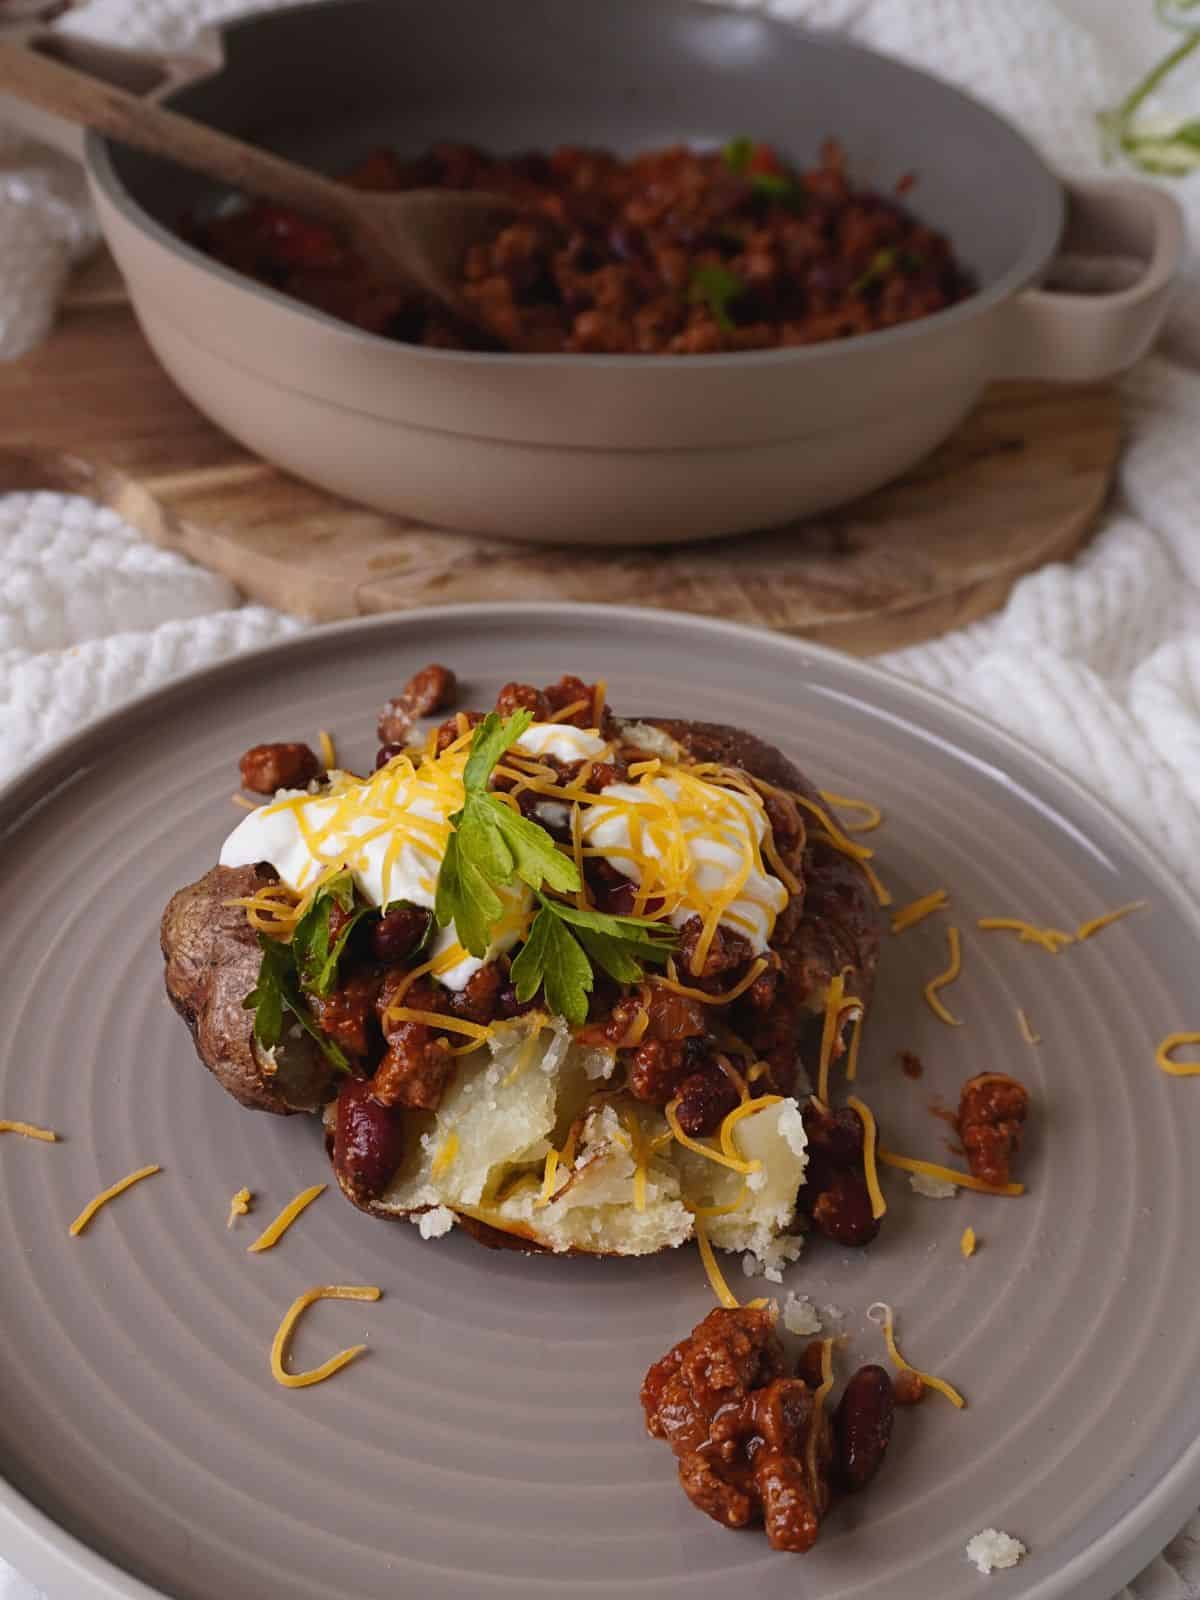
x: 87, y: 102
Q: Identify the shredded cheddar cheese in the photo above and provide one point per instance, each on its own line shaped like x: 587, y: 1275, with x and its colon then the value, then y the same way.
x: 748, y: 1108
x: 328, y: 753
x: 753, y: 972
x: 820, y: 1393
x: 720, y: 1288
x: 444, y: 1157
x: 271, y: 1235
x: 27, y: 1130
x: 887, y: 1323
x: 241, y: 800
x: 1177, y: 1069
x: 944, y: 978
x: 872, y: 813
x: 917, y: 910
x: 599, y: 695
x: 932, y: 1169
x: 967, y: 1243
x: 435, y: 1019
x: 734, y: 1163
x: 566, y: 1157
x: 239, y: 1206
x: 1052, y: 939
x: 838, y: 839
x: 1027, y: 1031
x: 870, y: 1143
x: 282, y: 1339
x: 565, y: 713
x: 725, y: 1210
x: 102, y: 1199
x: 1087, y: 930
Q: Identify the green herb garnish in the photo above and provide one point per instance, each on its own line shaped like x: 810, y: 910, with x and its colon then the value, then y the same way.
x: 736, y: 154
x: 565, y: 943
x: 276, y: 992
x: 491, y: 844
x: 716, y: 287
x: 1170, y: 151
x: 315, y: 958
x: 881, y: 264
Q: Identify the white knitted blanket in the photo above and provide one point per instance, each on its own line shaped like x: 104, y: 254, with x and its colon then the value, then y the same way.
x: 1097, y: 663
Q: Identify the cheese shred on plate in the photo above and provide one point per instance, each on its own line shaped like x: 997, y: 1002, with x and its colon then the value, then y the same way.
x: 27, y: 1130
x: 917, y: 910
x: 1177, y: 1069
x: 882, y: 1316
x: 1086, y: 930
x: 968, y: 1243
x: 239, y: 1206
x: 1052, y: 939
x: 819, y: 1397
x: 282, y: 1339
x: 964, y: 1180
x: 870, y: 1143
x: 1028, y: 1032
x: 720, y: 1288
x: 275, y: 1231
x: 872, y: 813
x: 105, y: 1195
x: 943, y: 978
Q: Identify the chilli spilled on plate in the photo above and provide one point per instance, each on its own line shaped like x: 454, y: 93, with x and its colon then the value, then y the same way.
x: 579, y: 982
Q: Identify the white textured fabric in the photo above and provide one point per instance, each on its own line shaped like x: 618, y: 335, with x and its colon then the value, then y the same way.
x: 1096, y: 663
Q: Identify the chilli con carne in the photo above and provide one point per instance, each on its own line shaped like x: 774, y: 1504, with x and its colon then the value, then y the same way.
x: 675, y: 251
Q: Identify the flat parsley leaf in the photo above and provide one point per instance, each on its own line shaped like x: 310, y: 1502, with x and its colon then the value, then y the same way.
x: 491, y: 844
x: 315, y: 958
x: 552, y: 960
x: 277, y: 991
x: 564, y: 943
x: 716, y: 288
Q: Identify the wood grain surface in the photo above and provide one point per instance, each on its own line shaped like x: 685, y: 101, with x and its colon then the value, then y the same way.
x: 1019, y: 485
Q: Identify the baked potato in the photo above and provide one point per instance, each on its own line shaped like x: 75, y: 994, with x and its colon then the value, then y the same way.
x: 610, y: 1134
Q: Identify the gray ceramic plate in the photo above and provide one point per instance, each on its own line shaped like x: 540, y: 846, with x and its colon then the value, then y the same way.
x: 490, y: 1443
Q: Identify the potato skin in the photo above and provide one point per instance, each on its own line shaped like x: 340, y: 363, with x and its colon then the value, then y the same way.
x: 212, y: 960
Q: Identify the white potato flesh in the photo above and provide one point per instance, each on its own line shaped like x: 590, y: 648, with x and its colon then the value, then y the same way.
x: 483, y: 1153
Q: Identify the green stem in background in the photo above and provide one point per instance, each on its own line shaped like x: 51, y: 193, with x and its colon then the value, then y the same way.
x: 1172, y: 153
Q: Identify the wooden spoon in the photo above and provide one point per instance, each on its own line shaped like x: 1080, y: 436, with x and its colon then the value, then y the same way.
x: 417, y: 235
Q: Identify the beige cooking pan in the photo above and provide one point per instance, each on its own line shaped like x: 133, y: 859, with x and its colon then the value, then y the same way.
x: 611, y: 449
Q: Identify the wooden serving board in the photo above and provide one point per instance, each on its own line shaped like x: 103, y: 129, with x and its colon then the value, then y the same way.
x: 1020, y: 484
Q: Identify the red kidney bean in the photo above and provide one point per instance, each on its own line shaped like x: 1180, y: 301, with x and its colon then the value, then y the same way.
x: 843, y: 1211
x: 862, y: 1426
x: 368, y: 1142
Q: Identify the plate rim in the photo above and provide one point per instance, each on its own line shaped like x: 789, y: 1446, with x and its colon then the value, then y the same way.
x: 49, y: 1554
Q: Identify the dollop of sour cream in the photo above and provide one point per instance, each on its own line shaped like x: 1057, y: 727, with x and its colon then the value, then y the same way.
x: 721, y: 834
x: 391, y: 830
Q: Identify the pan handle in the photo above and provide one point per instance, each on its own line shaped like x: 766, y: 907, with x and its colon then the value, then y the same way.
x: 1120, y: 257
x: 148, y: 73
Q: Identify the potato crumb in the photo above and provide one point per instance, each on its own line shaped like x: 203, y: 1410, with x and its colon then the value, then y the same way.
x: 991, y: 1550
x: 800, y: 1315
x: 791, y: 1126
x: 932, y: 1188
x: 433, y: 1224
